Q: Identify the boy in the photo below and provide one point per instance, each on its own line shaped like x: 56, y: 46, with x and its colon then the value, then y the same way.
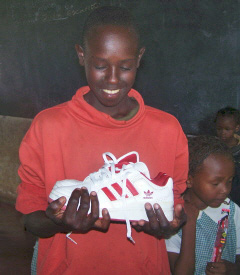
x: 227, y: 125
x: 67, y: 142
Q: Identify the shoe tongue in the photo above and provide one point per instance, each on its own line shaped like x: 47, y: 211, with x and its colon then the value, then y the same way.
x: 130, y: 157
x: 121, y: 163
x: 125, y: 160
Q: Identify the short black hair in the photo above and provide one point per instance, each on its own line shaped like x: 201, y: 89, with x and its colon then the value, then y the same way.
x: 110, y: 15
x: 201, y: 147
x: 228, y: 112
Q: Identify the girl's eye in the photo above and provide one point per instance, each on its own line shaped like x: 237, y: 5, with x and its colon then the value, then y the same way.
x: 215, y: 183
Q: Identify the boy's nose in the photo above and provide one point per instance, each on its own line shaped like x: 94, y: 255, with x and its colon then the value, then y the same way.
x: 113, y: 77
x: 221, y: 133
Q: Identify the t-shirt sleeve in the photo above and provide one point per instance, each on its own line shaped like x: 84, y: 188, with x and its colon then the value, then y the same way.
x: 173, y: 244
x: 31, y: 191
x: 237, y: 223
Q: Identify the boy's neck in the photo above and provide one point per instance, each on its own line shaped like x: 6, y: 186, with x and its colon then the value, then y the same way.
x: 128, y: 116
x: 123, y: 111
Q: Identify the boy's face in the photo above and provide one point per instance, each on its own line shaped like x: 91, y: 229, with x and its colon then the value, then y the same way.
x: 111, y: 58
x: 212, y: 183
x: 226, y: 127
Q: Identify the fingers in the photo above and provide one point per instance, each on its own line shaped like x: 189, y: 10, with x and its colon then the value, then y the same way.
x: 180, y: 216
x: 178, y: 210
x: 94, y: 206
x: 103, y: 224
x: 139, y: 226
x: 55, y: 207
x: 79, y: 204
x: 156, y: 217
x: 75, y: 216
x: 160, y: 215
x: 73, y: 202
x: 158, y: 224
x: 213, y: 268
x: 78, y: 215
x: 83, y: 220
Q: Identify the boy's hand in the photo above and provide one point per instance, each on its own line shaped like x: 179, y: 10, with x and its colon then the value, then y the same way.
x: 77, y: 219
x: 158, y: 224
x: 222, y: 267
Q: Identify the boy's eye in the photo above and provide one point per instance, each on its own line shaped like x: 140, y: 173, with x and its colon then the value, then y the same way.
x: 125, y: 69
x: 100, y: 67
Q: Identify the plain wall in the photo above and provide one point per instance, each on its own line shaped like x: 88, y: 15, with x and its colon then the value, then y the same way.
x: 190, y: 68
x: 12, y: 130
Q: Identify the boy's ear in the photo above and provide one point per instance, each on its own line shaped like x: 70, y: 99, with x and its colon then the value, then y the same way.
x: 80, y: 54
x: 189, y: 182
x: 141, y: 52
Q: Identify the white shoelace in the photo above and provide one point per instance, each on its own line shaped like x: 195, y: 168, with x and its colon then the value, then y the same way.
x: 108, y: 172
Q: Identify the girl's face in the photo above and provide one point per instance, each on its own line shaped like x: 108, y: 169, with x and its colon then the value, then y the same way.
x: 212, y: 183
x: 226, y: 128
x: 111, y: 58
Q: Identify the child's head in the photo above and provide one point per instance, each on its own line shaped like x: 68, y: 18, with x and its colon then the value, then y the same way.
x: 211, y: 169
x: 111, y: 54
x: 110, y: 15
x: 227, y: 124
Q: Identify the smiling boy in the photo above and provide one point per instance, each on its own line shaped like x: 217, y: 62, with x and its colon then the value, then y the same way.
x: 67, y: 142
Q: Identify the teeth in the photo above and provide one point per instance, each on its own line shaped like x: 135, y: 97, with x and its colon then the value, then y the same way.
x: 111, y: 92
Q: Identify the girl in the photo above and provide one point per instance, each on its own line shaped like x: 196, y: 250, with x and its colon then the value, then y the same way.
x: 209, y: 242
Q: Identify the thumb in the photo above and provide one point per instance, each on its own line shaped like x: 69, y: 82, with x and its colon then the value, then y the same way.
x: 56, y: 206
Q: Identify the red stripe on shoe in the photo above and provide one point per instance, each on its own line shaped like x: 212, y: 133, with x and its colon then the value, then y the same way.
x: 131, y: 188
x: 118, y: 188
x: 109, y: 194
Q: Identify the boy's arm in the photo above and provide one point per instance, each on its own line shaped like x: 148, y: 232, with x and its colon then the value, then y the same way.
x: 184, y: 263
x: 54, y: 220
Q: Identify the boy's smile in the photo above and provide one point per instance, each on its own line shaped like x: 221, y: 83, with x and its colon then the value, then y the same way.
x: 111, y: 58
x: 111, y: 92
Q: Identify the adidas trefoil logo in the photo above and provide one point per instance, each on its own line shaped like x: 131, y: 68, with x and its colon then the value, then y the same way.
x: 148, y: 194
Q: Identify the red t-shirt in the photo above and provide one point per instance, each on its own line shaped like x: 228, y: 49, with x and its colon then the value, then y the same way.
x: 67, y: 142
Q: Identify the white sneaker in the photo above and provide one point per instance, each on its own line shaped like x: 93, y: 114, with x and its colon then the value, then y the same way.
x: 123, y: 187
x: 95, y: 180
